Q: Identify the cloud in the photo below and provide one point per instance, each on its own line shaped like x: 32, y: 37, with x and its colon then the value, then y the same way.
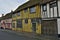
x: 7, y: 5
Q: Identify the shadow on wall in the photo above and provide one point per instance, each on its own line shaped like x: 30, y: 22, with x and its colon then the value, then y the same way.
x: 58, y: 35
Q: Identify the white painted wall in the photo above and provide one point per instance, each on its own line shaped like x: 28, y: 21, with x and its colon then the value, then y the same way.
x: 51, y: 12
x: 59, y: 7
x: 58, y: 24
x: 48, y: 10
x: 55, y: 11
x: 42, y: 13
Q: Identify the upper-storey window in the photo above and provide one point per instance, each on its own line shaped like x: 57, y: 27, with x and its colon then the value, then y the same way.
x: 44, y: 11
x: 25, y: 10
x: 18, y: 13
x: 53, y: 9
x: 14, y: 15
x: 44, y: 7
x: 32, y: 9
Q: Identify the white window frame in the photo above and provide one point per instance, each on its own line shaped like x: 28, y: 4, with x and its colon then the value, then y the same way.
x: 53, y: 9
x: 44, y: 11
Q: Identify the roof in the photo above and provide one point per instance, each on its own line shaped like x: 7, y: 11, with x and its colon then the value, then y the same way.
x: 46, y: 1
x: 31, y: 3
x: 7, y: 16
x: 27, y: 4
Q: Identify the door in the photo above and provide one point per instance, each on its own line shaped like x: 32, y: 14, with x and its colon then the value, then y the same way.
x: 34, y: 27
x: 49, y: 27
x: 33, y: 22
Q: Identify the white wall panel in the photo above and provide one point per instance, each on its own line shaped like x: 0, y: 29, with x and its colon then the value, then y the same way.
x: 48, y: 10
x: 55, y: 11
x: 51, y: 11
x: 59, y: 8
x: 41, y: 12
x: 58, y: 24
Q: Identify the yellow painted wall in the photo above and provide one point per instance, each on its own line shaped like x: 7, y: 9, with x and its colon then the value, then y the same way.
x: 36, y: 14
x: 26, y: 14
x: 14, y: 28
x: 14, y: 17
x: 38, y: 28
x: 21, y: 15
x: 19, y: 29
x: 38, y: 11
x: 27, y: 27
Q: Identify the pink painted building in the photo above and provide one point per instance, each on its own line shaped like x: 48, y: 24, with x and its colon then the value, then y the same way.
x: 6, y: 21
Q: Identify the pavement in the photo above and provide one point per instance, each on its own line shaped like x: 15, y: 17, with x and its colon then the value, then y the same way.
x: 30, y: 36
x: 11, y: 35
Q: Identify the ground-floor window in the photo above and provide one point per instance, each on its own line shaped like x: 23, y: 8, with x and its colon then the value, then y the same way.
x: 19, y: 23
x: 13, y: 25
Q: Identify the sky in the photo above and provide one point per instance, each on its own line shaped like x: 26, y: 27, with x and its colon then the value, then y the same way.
x: 7, y: 5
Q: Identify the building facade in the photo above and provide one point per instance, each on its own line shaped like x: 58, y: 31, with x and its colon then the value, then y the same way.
x: 27, y: 18
x: 6, y: 21
x: 51, y: 10
x: 39, y: 17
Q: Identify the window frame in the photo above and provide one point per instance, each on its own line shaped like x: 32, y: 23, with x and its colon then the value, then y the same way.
x: 44, y: 14
x: 25, y: 10
x: 19, y: 23
x: 26, y: 21
x: 44, y: 7
x: 14, y: 15
x: 31, y: 8
x: 53, y: 5
x: 18, y: 14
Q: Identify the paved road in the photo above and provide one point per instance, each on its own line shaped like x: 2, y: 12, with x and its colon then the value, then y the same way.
x: 11, y: 36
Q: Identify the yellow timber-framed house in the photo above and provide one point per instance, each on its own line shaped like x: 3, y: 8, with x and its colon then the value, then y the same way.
x: 31, y: 17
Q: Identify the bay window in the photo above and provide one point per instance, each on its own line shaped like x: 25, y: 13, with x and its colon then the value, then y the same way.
x: 53, y: 9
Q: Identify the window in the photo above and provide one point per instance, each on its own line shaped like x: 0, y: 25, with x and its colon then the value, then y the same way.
x: 33, y: 20
x: 53, y: 5
x: 38, y: 20
x: 19, y: 23
x: 26, y: 10
x: 34, y: 26
x: 26, y: 20
x: 44, y: 7
x: 53, y: 9
x: 13, y: 25
x: 32, y: 10
x: 44, y: 10
x: 18, y: 13
x: 14, y: 15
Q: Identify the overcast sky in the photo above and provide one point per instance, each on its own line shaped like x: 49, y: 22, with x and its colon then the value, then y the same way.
x: 7, y: 5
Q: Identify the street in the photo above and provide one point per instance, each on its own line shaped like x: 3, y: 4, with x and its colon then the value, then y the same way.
x: 12, y: 36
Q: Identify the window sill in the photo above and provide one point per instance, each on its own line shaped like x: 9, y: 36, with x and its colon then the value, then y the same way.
x: 32, y: 12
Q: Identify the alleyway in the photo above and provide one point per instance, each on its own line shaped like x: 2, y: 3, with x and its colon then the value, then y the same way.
x: 11, y: 36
